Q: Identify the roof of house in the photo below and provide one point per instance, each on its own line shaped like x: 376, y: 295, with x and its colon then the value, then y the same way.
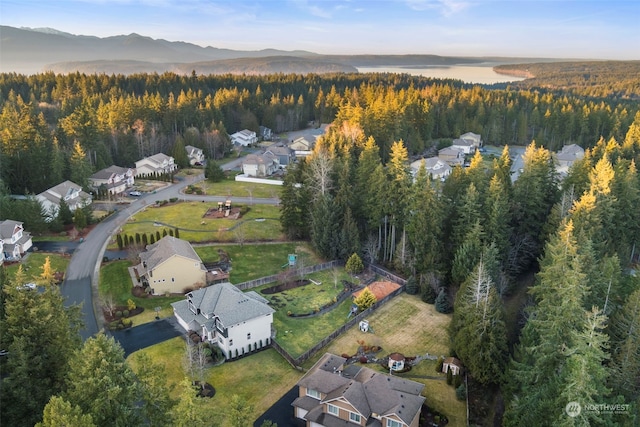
x: 470, y: 135
x: 452, y: 361
x: 160, y: 158
x: 433, y: 165
x: 450, y: 151
x: 8, y: 227
x: 244, y: 133
x: 257, y: 159
x: 462, y: 142
x: 279, y: 150
x: 380, y: 289
x: 54, y: 194
x: 165, y: 248
x: 226, y: 302
x: 107, y: 172
x: 570, y: 152
x: 192, y: 150
x: 366, y: 390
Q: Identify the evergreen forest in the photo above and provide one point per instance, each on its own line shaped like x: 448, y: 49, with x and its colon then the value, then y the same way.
x: 538, y: 271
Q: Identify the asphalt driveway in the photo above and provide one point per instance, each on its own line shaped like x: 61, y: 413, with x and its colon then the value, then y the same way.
x: 281, y: 413
x: 143, y: 336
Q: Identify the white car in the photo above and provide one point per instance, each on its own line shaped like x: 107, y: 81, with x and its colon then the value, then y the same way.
x: 135, y: 194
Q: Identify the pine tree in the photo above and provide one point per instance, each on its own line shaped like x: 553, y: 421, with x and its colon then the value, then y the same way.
x: 442, y: 303
x: 188, y: 411
x: 58, y: 412
x: 294, y: 203
x: 157, y: 404
x: 625, y: 366
x: 102, y: 384
x: 80, y: 166
x: 365, y: 300
x: 354, y: 264
x: 324, y: 228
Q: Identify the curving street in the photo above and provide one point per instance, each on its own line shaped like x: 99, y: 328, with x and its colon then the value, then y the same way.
x: 81, y: 278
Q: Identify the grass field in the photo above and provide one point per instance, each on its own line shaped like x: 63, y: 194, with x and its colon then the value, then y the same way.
x: 260, y: 379
x: 32, y: 265
x: 189, y: 217
x: 231, y: 187
x: 252, y: 261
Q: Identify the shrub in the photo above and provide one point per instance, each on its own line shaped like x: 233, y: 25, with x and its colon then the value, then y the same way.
x: 131, y: 305
x: 457, y: 381
x: 442, y: 302
x: 461, y: 392
x: 173, y: 199
x: 439, y: 364
x: 118, y: 314
x: 127, y: 323
x: 125, y: 313
x: 363, y: 359
x: 412, y: 286
x: 449, y: 377
x: 354, y: 264
x: 113, y: 325
x: 428, y: 295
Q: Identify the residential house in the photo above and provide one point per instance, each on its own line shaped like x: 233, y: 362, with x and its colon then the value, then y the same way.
x: 195, y: 155
x: 334, y: 394
x: 114, y: 179
x: 466, y: 146
x: 68, y: 191
x: 437, y: 168
x: 452, y: 156
x: 452, y: 364
x: 157, y: 164
x: 284, y: 154
x: 473, y: 138
x: 265, y: 133
x: 244, y: 137
x: 238, y: 322
x: 568, y: 156
x: 260, y: 165
x: 301, y: 146
x: 170, y: 265
x: 14, y: 241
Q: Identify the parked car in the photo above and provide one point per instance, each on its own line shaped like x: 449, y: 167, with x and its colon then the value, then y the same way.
x: 135, y: 194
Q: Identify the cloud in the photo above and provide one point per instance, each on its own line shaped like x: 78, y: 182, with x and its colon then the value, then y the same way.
x: 312, y: 9
x: 444, y: 7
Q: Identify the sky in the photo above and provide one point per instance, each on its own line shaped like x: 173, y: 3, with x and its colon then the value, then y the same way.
x: 587, y: 29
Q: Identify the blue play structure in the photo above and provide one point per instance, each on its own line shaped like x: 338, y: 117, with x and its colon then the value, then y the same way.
x: 292, y: 261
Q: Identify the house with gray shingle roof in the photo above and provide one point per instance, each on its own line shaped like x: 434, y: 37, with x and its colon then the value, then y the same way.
x: 14, y: 241
x: 238, y: 322
x: 157, y: 164
x: 170, y: 265
x: 568, y: 156
x: 195, y: 155
x: 334, y: 394
x: 114, y: 179
x: 68, y: 191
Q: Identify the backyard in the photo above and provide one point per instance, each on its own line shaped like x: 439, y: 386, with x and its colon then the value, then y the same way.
x: 257, y: 223
x: 33, y: 262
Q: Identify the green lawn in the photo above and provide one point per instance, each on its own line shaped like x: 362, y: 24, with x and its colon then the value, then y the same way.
x: 33, y: 262
x: 231, y: 187
x: 252, y: 261
x: 189, y: 217
x: 260, y: 379
x: 115, y: 281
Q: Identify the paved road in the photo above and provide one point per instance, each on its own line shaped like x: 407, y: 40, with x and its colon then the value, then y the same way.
x: 81, y: 278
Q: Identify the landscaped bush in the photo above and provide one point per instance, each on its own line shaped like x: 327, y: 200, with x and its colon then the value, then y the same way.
x: 461, y: 392
x: 363, y: 359
x: 173, y: 199
x: 125, y: 313
x: 131, y: 305
x: 118, y: 314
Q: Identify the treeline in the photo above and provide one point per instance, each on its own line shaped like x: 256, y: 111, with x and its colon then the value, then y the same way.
x: 55, y: 127
x: 465, y: 243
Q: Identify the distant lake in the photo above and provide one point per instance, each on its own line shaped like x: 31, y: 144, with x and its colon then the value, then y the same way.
x: 480, y: 74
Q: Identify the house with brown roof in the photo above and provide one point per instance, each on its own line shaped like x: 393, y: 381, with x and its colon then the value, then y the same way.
x: 170, y: 265
x: 238, y: 322
x: 334, y: 394
x: 452, y: 364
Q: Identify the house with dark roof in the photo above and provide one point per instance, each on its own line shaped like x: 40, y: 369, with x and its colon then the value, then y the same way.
x: 238, y: 322
x: 170, y: 265
x: 157, y: 164
x: 284, y: 154
x: 334, y: 394
x: 14, y: 241
x: 68, y: 191
x: 114, y: 179
x: 466, y: 146
x: 260, y: 165
x: 451, y: 156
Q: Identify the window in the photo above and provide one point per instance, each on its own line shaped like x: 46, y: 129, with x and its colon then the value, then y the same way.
x: 313, y: 393
x: 393, y: 423
x: 249, y: 336
x: 230, y: 343
x: 354, y: 417
x: 333, y: 410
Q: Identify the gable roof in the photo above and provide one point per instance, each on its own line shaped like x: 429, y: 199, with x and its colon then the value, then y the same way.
x: 160, y: 158
x: 165, y: 248
x: 259, y: 159
x: 225, y: 301
x: 570, y: 152
x: 62, y: 190
x: 279, y: 150
x: 462, y: 142
x: 107, y: 172
x: 8, y: 227
x: 365, y: 389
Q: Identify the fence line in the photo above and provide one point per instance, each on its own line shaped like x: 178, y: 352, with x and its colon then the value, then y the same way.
x: 298, y: 361
x: 274, y: 278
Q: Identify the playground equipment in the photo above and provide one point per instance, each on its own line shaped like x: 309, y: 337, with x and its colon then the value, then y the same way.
x: 365, y: 326
x: 226, y: 207
x: 353, y: 311
x: 291, y: 261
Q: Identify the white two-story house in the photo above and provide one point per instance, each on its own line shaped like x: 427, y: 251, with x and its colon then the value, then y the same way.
x: 68, y: 191
x: 157, y: 164
x: 14, y: 241
x: 195, y: 155
x: 238, y: 322
x: 244, y: 137
x: 114, y: 179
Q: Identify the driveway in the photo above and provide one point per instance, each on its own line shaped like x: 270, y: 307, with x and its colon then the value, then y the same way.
x: 281, y: 413
x: 143, y: 336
